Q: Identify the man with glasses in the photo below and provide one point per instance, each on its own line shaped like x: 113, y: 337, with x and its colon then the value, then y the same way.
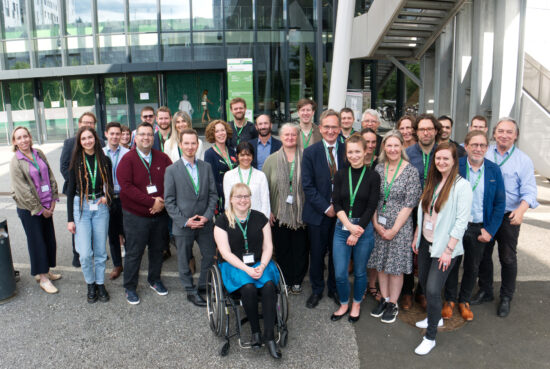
x: 141, y: 178
x: 371, y: 119
x: 488, y: 204
x: 521, y: 194
x: 147, y: 115
x: 320, y: 163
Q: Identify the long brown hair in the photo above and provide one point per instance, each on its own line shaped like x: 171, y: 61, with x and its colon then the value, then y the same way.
x: 435, y: 177
x: 78, y: 164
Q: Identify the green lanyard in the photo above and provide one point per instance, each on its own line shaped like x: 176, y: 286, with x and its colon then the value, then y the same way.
x: 334, y: 152
x: 239, y: 132
x: 179, y: 151
x: 195, y: 185
x: 249, y: 176
x: 93, y: 175
x: 352, y: 192
x: 228, y: 160
x: 478, y: 177
x: 434, y: 197
x: 426, y: 161
x: 244, y: 230
x: 34, y: 162
x: 306, y: 143
x: 292, y: 172
x: 372, y: 159
x: 505, y: 159
x: 387, y: 188
x: 146, y: 166
x: 161, y: 140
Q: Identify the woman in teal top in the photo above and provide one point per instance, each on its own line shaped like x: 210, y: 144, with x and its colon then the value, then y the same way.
x: 443, y: 215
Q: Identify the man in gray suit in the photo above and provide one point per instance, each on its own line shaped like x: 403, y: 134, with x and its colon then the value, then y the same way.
x: 190, y: 198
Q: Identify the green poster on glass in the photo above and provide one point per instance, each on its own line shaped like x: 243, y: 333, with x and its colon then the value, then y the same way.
x: 239, y: 84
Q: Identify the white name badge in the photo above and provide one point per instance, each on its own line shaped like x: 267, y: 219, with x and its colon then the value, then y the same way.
x: 44, y: 188
x: 117, y: 188
x: 344, y: 228
x: 94, y: 207
x: 429, y: 226
x: 248, y: 258
x: 151, y: 189
x: 289, y: 199
x: 382, y: 220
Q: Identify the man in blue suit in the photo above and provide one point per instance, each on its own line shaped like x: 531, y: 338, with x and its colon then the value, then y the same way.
x: 319, y: 165
x: 265, y: 144
x: 487, y: 212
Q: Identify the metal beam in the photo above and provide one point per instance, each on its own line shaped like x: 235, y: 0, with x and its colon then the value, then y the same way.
x: 404, y: 69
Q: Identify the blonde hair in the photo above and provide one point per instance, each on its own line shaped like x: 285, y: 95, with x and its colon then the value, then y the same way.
x: 14, y: 146
x: 174, y: 139
x: 393, y: 133
x: 229, y: 213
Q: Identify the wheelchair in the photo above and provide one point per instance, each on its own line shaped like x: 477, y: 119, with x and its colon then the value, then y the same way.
x: 221, y: 305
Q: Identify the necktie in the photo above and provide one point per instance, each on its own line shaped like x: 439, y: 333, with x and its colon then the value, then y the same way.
x: 332, y: 164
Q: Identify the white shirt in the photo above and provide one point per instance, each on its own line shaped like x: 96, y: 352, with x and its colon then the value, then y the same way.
x: 174, y: 153
x: 258, y: 186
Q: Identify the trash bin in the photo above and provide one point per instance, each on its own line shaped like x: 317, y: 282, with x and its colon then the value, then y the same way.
x: 7, y: 275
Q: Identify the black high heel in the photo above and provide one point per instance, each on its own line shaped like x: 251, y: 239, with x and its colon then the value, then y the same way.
x: 256, y: 340
x: 273, y: 349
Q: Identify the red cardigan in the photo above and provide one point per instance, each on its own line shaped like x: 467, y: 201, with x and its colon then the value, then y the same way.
x: 133, y: 179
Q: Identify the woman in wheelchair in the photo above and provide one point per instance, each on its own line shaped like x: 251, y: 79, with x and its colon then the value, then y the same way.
x: 243, y: 237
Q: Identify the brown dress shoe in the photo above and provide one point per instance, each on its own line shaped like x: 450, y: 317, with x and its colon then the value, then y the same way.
x: 421, y: 299
x: 406, y: 302
x: 465, y: 311
x: 51, y: 277
x: 447, y: 311
x: 115, y: 273
x: 48, y: 287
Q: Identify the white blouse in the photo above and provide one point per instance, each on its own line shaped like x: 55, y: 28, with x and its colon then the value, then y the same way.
x: 258, y: 186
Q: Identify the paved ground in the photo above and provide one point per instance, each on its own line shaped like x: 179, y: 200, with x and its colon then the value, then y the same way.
x: 63, y: 331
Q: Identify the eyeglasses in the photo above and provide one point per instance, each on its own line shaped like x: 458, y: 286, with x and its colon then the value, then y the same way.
x: 242, y: 197
x: 478, y: 146
x: 426, y: 130
x: 369, y: 121
x: 330, y: 128
x: 145, y: 134
x: 148, y: 116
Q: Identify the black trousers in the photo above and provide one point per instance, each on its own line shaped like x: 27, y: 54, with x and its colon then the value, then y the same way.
x: 507, y: 240
x: 116, y: 228
x: 432, y: 279
x: 142, y: 232
x: 320, y: 237
x: 291, y: 252
x: 249, y: 298
x: 473, y: 253
x: 408, y: 279
x: 40, y: 241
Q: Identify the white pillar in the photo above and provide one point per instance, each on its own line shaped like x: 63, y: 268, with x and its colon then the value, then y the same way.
x: 341, y: 55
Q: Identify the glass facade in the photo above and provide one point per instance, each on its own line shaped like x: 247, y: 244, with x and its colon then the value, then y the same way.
x: 153, y: 52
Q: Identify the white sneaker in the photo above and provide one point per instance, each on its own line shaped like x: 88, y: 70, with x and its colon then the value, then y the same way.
x: 424, y: 323
x: 425, y: 347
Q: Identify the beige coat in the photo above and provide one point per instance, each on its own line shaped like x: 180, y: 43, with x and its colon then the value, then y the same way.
x: 22, y: 187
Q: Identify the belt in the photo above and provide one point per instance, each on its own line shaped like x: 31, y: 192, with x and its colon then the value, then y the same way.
x: 116, y: 196
x: 470, y: 224
x: 97, y: 196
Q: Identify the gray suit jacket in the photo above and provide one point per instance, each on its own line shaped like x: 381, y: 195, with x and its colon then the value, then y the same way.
x: 180, y: 199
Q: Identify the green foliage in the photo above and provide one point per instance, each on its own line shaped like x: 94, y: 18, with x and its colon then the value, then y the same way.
x: 389, y: 90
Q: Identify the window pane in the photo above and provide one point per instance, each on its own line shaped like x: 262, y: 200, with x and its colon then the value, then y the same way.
x: 270, y: 14
x: 55, y: 113
x: 145, y: 93
x: 301, y: 67
x: 110, y: 15
x: 22, y: 105
x: 15, y: 21
x: 80, y: 50
x: 300, y: 14
x: 3, y: 119
x: 79, y: 17
x: 143, y: 16
x: 49, y: 52
x: 83, y: 98
x: 18, y: 54
x: 46, y: 18
x: 112, y: 49
x: 115, y: 100
x: 176, y: 46
x: 207, y: 15
x: 208, y: 45
x: 144, y: 47
x: 174, y: 15
x: 238, y: 14
x: 240, y: 44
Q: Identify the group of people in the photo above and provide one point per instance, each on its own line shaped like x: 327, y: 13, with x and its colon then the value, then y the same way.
x: 376, y: 206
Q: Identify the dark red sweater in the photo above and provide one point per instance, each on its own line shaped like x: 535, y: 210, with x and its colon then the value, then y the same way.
x: 133, y: 180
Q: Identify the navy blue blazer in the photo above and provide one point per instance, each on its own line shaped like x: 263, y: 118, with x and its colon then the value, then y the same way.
x: 275, y: 146
x: 316, y: 181
x: 494, y: 195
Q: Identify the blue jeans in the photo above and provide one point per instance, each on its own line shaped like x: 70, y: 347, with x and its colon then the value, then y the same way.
x: 91, y: 228
x: 341, y: 254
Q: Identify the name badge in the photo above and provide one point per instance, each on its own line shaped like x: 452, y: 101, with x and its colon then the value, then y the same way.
x: 429, y: 226
x: 344, y: 228
x: 151, y: 189
x: 94, y: 207
x: 117, y: 188
x: 44, y: 188
x: 248, y: 258
x: 289, y: 199
x: 382, y: 220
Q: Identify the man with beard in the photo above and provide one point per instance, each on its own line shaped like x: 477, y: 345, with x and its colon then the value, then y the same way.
x: 266, y: 144
x: 309, y: 131
x: 164, y: 122
x: 243, y: 130
x: 346, y: 119
x: 446, y: 131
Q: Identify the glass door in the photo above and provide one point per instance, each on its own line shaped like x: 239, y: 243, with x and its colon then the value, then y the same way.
x: 83, y: 98
x: 22, y: 103
x: 145, y: 94
x: 55, y: 114
x: 116, y: 105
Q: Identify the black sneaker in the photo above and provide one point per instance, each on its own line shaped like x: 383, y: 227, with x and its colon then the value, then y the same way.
x: 92, y: 293
x: 102, y: 293
x: 390, y: 313
x: 379, y: 310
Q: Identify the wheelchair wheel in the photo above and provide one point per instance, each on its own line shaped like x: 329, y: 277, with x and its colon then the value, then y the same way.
x: 282, y: 297
x: 215, y: 300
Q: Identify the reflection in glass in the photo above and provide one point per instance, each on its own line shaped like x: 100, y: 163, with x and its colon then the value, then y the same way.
x: 17, y: 52
x: 49, y: 52
x: 80, y: 50
x: 207, y: 15
x: 46, y: 18
x: 300, y: 14
x: 301, y: 66
x: 241, y: 44
x: 143, y: 47
x: 176, y: 47
x: 83, y: 98
x: 143, y: 16
x: 174, y: 15
x: 79, y: 17
x: 110, y: 15
x: 112, y: 49
x: 55, y: 114
x: 15, y: 20
x: 115, y: 100
x: 207, y: 45
x: 22, y: 106
x: 3, y: 119
x: 238, y: 14
x: 269, y: 14
x: 145, y: 93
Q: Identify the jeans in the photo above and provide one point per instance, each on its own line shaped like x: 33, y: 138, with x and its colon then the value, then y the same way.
x: 341, y: 254
x: 432, y: 279
x: 91, y: 227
